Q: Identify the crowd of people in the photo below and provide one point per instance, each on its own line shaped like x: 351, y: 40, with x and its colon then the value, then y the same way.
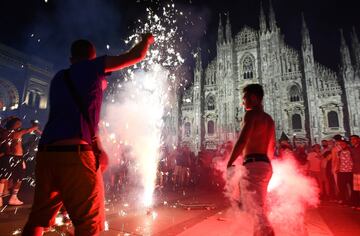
x: 177, y: 170
x: 334, y: 164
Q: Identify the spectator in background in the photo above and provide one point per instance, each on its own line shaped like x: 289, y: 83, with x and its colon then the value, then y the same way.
x: 329, y: 170
x: 335, y: 161
x: 13, y: 163
x: 301, y: 156
x: 324, y: 180
x: 182, y: 164
x: 30, y: 144
x: 355, y: 154
x: 325, y: 146
x: 314, y: 163
x: 344, y: 172
x: 3, y: 163
x: 285, y: 150
x: 187, y: 155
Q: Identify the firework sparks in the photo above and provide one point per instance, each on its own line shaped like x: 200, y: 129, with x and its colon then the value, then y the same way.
x: 16, y: 232
x: 3, y: 209
x: 59, y: 220
x: 106, y: 226
x: 148, y: 87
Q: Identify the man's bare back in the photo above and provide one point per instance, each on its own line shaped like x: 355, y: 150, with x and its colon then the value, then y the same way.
x: 257, y: 136
x: 260, y: 135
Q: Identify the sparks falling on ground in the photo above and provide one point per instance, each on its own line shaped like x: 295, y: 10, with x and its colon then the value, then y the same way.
x: 135, y: 113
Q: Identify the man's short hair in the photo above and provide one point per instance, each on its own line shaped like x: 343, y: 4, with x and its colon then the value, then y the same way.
x: 82, y: 48
x: 354, y: 136
x: 338, y: 137
x: 10, y: 123
x: 254, y: 89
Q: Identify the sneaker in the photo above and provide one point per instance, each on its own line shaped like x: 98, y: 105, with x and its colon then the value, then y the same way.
x: 14, y: 201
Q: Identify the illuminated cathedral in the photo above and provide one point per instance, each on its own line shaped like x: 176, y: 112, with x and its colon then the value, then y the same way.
x: 305, y: 99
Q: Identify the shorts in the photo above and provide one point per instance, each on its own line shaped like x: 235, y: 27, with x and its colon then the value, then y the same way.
x: 71, y: 179
x: 17, y: 168
x: 12, y: 167
x: 5, y: 172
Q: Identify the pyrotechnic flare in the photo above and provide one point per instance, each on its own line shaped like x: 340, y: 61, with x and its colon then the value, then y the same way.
x: 145, y: 98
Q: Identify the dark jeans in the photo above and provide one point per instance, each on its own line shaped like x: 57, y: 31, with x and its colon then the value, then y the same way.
x: 356, y: 198
x: 345, y: 179
x: 254, y: 195
x: 332, y: 181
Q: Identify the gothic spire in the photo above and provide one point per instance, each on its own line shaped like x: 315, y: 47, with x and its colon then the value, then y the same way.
x: 305, y: 32
x: 220, y: 31
x: 262, y: 19
x: 198, y: 61
x: 272, y: 19
x: 355, y: 46
x: 198, y: 67
x: 228, y: 28
x: 354, y: 37
x: 344, y: 50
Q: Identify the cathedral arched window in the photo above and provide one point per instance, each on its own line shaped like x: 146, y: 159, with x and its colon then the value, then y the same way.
x: 211, y: 127
x: 34, y: 99
x: 31, y: 98
x: 248, y: 68
x: 37, y: 100
x: 295, y: 94
x: 333, y: 119
x: 296, y: 122
x: 211, y: 103
x: 187, y: 127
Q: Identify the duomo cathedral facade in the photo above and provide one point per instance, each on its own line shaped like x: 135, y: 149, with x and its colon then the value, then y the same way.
x: 304, y: 98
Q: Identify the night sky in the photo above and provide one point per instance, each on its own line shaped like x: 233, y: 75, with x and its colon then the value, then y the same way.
x: 47, y: 29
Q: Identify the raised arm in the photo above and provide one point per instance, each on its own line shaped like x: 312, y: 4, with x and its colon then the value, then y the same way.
x: 28, y: 130
x: 240, y: 143
x: 133, y: 56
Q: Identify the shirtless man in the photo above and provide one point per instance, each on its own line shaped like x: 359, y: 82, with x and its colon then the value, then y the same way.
x: 256, y: 146
x: 14, y: 168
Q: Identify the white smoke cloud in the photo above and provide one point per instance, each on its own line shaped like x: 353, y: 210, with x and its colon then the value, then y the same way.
x: 136, y: 120
x: 290, y: 194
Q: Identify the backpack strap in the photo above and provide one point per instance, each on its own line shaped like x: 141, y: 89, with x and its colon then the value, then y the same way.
x: 79, y: 102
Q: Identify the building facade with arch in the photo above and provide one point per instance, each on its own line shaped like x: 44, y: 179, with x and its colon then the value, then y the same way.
x: 24, y: 85
x: 305, y: 98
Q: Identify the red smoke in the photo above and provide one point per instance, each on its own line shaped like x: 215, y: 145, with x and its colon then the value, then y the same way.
x: 290, y: 194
